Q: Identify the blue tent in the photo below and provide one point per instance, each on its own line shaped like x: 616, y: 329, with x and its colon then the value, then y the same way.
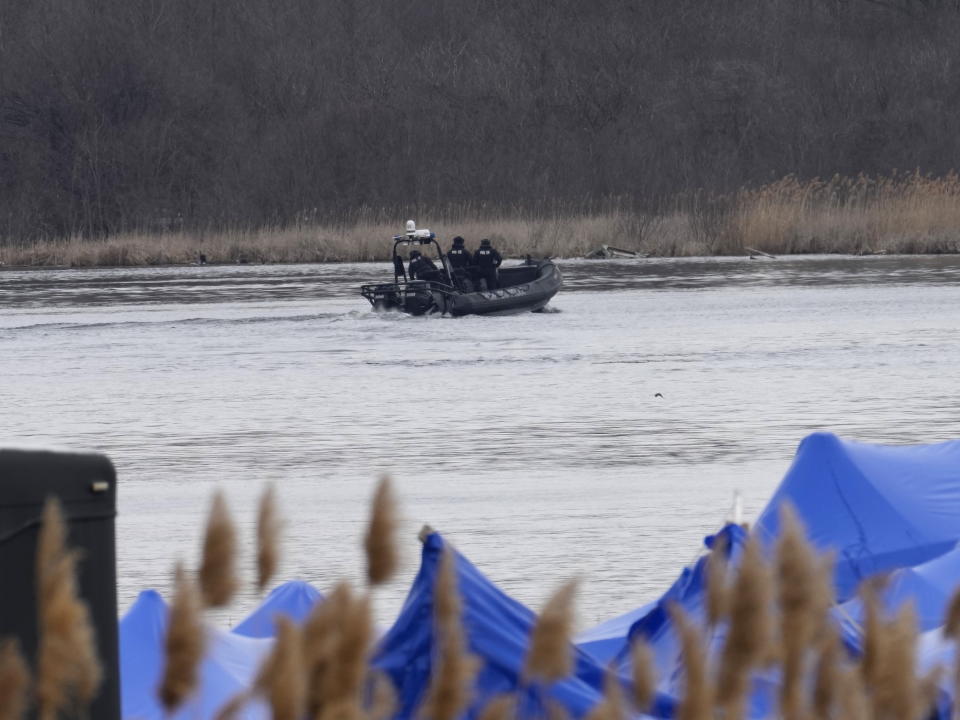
x: 879, y: 507
x: 229, y: 666
x: 928, y: 586
x: 295, y: 599
x: 609, y: 639
x: 497, y: 630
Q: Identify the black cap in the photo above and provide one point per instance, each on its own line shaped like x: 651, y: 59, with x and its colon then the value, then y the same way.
x: 414, y: 253
x: 458, y: 240
x: 485, y: 242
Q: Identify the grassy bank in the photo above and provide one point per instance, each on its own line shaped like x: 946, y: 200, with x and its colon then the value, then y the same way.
x: 908, y: 213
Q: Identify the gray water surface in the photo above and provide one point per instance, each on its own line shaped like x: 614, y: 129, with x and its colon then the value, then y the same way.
x: 535, y: 442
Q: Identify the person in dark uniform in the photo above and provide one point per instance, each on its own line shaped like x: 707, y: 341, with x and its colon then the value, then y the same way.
x: 487, y: 260
x: 459, y: 256
x: 421, y: 267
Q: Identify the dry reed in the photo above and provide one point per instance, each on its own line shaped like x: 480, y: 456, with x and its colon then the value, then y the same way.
x: 281, y: 678
x: 895, y: 695
x: 383, y: 704
x: 826, y: 688
x: 612, y: 707
x: 454, y: 668
x: 750, y: 631
x: 319, y: 645
x: 14, y: 681
x: 550, y: 657
x: 379, y: 541
x: 899, y: 213
x: 644, y: 674
x: 184, y: 643
x: 268, y: 538
x: 698, y: 694
x: 499, y: 707
x: 218, y: 579
x: 717, y: 591
x: 68, y: 671
x: 801, y: 610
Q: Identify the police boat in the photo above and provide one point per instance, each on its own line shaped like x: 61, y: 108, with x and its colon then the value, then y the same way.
x: 522, y: 288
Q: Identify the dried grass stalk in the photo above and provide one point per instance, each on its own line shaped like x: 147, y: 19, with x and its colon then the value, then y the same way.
x: 185, y: 643
x: 233, y: 707
x: 68, y: 671
x: 697, y: 701
x: 320, y: 638
x: 873, y: 636
x: 281, y: 677
x: 750, y: 632
x: 612, y: 707
x: 896, y: 693
x: 801, y: 612
x: 853, y: 704
x: 14, y: 681
x: 383, y: 704
x: 717, y: 591
x: 827, y: 676
x: 500, y: 707
x: 268, y: 538
x: 644, y: 674
x: 218, y: 577
x: 550, y: 657
x: 452, y: 678
x: 951, y: 626
x: 380, y: 541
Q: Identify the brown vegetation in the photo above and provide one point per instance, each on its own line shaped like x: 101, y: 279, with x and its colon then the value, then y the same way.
x: 324, y: 668
x: 379, y: 541
x: 218, y: 576
x: 907, y: 213
x: 68, y: 671
x: 268, y: 538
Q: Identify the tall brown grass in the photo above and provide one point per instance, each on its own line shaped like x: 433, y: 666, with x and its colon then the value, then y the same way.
x: 899, y: 213
x: 550, y: 656
x: 268, y: 538
x: 68, y: 670
x: 452, y: 679
x: 14, y: 681
x: 323, y: 672
x: 379, y: 541
x: 218, y: 576
x: 184, y: 643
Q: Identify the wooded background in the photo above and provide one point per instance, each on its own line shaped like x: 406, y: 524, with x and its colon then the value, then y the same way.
x: 118, y: 115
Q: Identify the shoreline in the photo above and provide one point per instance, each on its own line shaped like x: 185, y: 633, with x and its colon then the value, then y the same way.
x: 900, y: 215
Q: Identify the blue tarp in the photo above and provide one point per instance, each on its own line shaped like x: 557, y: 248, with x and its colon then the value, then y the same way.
x: 879, y: 507
x: 609, y: 639
x: 295, y: 599
x: 497, y: 629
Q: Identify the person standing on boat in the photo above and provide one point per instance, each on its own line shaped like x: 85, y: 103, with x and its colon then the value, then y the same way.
x: 421, y: 267
x: 459, y: 256
x: 487, y: 260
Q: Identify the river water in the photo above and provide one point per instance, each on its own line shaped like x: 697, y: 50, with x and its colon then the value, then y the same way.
x: 536, y: 442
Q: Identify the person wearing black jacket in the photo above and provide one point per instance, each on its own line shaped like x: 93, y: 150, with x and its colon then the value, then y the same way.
x: 459, y: 256
x: 487, y: 260
x: 421, y: 267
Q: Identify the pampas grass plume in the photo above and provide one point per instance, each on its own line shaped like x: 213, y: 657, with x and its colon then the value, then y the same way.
x: 717, y: 593
x: 951, y: 626
x: 697, y: 702
x: 268, y: 538
x: 826, y: 677
x: 500, y: 707
x: 550, y: 657
x: 384, y: 702
x: 454, y: 669
x: 14, y: 681
x: 896, y: 693
x: 281, y: 678
x: 68, y: 672
x: 320, y: 637
x: 379, y: 542
x: 799, y: 599
x: 750, y: 631
x: 644, y: 674
x: 184, y: 643
x: 218, y: 579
